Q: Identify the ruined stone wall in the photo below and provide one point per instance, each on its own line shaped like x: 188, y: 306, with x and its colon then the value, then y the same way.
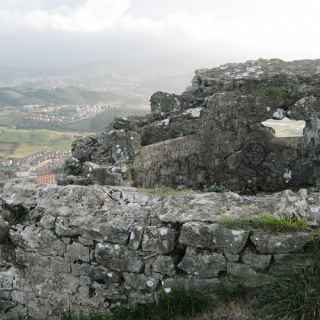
x: 225, y: 108
x: 171, y: 163
x: 88, y: 249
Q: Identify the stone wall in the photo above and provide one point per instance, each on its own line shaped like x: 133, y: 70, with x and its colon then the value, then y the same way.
x: 225, y: 108
x: 174, y: 162
x: 88, y: 249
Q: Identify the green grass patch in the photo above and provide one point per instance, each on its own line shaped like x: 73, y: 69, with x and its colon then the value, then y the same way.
x: 178, y: 304
x: 19, y: 143
x: 275, y: 92
x: 266, y: 222
x: 216, y: 188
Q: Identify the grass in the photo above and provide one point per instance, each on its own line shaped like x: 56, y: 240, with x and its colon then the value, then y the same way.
x: 274, y: 92
x: 177, y: 304
x: 266, y: 222
x: 216, y: 188
x: 294, y: 295
x: 27, y: 142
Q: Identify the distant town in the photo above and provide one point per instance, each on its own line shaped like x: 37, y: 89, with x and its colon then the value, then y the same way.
x: 41, y: 166
x: 35, y: 140
x: 63, y: 114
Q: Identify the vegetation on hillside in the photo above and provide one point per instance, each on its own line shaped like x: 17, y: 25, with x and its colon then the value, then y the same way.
x: 19, y: 96
x: 15, y: 143
x: 266, y: 222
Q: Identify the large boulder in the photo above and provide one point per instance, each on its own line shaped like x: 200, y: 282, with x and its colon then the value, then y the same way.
x: 162, y: 102
x: 242, y: 154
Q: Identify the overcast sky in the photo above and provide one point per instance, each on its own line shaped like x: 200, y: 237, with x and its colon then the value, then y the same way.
x: 182, y: 34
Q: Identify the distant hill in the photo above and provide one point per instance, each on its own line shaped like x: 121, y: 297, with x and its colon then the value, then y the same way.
x: 19, y: 96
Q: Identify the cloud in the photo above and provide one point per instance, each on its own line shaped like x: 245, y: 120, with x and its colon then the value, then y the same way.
x: 197, y: 32
x: 87, y: 16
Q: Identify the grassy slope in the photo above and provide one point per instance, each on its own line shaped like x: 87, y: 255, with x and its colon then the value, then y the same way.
x: 27, y: 142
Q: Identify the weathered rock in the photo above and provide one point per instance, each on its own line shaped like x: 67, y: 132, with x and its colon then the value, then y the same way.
x: 258, y: 262
x: 160, y: 240
x: 246, y: 155
x: 164, y: 102
x: 140, y: 282
x: 108, y: 148
x: 4, y: 230
x: 171, y: 163
x: 104, y: 175
x: 295, y: 206
x: 101, y: 275
x: 232, y: 257
x: 72, y: 167
x: 121, y: 123
x: 65, y: 180
x: 199, y: 235
x: 231, y: 241
x: 87, y: 249
x: 20, y: 196
x: 246, y: 276
x: 215, y: 132
x: 119, y: 258
x: 164, y: 265
x: 174, y: 126
x: 286, y: 263
x: 204, y: 265
x: 190, y: 283
x: 280, y: 243
x: 83, y: 149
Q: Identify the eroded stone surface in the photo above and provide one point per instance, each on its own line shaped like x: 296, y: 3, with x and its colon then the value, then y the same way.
x: 280, y: 243
x: 203, y: 265
x: 86, y: 249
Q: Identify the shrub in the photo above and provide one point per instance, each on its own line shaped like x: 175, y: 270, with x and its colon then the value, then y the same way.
x: 295, y: 295
x: 216, y: 188
x: 179, y: 303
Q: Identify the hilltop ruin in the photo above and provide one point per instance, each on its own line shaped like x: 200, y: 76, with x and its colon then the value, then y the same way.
x: 214, y: 133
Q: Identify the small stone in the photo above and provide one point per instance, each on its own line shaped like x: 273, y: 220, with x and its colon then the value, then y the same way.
x: 198, y: 235
x: 231, y: 241
x: 246, y: 276
x: 256, y: 261
x: 267, y: 243
x: 160, y: 240
x: 4, y: 230
x: 119, y: 258
x: 164, y: 265
x: 203, y: 265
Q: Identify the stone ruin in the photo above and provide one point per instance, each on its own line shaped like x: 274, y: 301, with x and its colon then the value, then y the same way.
x: 89, y: 249
x: 214, y: 134
x: 95, y: 242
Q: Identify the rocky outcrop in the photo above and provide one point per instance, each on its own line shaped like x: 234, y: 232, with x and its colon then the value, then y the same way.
x: 224, y: 110
x: 89, y: 249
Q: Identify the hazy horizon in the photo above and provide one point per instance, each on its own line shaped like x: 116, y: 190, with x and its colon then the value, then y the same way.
x: 167, y: 36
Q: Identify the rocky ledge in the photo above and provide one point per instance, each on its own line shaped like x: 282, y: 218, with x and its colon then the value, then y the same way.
x: 214, y: 133
x: 91, y: 248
